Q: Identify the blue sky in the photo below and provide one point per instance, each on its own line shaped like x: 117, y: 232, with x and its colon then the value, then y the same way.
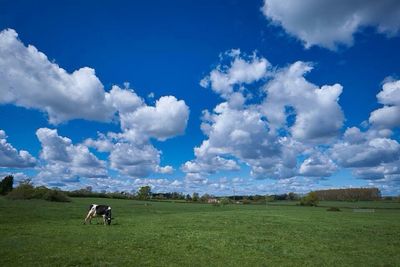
x: 207, y: 96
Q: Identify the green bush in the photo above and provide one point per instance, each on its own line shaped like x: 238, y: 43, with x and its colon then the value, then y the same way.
x: 246, y: 201
x: 27, y: 191
x: 224, y: 201
x: 311, y: 199
x: 56, y: 196
x: 333, y: 209
x: 23, y: 191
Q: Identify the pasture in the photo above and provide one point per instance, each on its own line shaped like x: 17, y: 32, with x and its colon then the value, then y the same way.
x: 40, y: 233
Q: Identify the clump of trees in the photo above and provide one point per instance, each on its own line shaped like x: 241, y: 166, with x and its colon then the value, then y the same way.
x: 6, y: 185
x: 25, y: 190
x: 144, y: 193
x: 311, y: 199
x: 88, y: 192
x: 349, y: 194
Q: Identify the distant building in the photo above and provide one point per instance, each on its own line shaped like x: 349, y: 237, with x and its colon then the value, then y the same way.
x: 213, y: 201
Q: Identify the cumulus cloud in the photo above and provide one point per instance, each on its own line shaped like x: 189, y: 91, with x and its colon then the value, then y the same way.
x: 11, y: 157
x: 389, y: 115
x: 123, y: 100
x: 259, y: 134
x: 372, y: 154
x: 332, y: 23
x: 318, y: 115
x: 240, y: 71
x: 129, y: 158
x: 166, y: 119
x: 318, y: 165
x: 102, y: 144
x: 61, y: 157
x: 136, y: 161
x: 365, y: 149
x: 31, y: 80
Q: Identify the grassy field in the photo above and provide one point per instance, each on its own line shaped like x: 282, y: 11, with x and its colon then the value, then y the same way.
x: 39, y: 233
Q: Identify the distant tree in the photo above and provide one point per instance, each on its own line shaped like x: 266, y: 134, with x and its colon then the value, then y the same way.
x: 89, y: 189
x: 269, y: 198
x: 195, y: 197
x: 224, y: 201
x: 188, y: 197
x: 205, y: 197
x: 311, y: 199
x: 6, y: 185
x: 349, y: 194
x: 292, y: 196
x: 144, y: 192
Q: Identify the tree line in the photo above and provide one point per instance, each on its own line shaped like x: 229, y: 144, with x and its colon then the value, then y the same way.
x: 349, y: 194
x: 25, y: 190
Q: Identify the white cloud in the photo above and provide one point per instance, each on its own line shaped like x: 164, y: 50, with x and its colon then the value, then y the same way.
x: 31, y: 80
x: 62, y: 158
x: 258, y: 134
x: 330, y: 23
x: 240, y: 71
x: 11, y: 157
x: 102, y: 144
x: 366, y: 152
x: 389, y: 115
x: 123, y: 100
x: 318, y: 165
x: 319, y: 117
x: 164, y: 170
x: 135, y: 161
x: 168, y: 118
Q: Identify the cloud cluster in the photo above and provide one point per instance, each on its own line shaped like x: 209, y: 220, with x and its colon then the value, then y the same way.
x: 374, y: 154
x: 11, y: 157
x: 168, y: 118
x: 270, y: 133
x: 61, y: 158
x: 318, y: 116
x: 31, y: 80
x: 241, y: 71
x: 333, y: 22
x: 388, y: 116
x: 136, y: 161
x: 371, y: 155
x: 272, y: 120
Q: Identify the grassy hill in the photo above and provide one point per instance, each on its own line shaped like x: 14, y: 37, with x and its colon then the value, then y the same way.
x: 40, y: 233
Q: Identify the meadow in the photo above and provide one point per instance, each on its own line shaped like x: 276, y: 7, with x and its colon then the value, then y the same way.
x: 40, y: 233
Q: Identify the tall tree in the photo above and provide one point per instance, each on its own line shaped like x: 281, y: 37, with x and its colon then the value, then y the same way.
x: 6, y: 185
x: 144, y: 192
x: 195, y: 197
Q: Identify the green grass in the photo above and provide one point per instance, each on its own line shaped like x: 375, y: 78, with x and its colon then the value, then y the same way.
x: 40, y: 233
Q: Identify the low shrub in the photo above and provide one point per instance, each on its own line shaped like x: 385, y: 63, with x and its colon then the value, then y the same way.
x: 333, y: 209
x: 246, y: 201
x: 23, y: 191
x: 56, y: 196
x: 27, y: 191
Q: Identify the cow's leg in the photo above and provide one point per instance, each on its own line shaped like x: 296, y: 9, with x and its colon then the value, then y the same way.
x: 104, y: 220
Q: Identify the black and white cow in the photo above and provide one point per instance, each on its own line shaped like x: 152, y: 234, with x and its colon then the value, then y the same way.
x: 99, y: 210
